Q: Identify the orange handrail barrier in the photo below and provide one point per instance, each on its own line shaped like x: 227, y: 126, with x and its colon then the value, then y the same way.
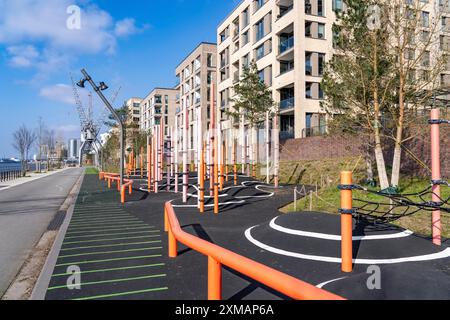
x: 109, y: 177
x: 218, y: 257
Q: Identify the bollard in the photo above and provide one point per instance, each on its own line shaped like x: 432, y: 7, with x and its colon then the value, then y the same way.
x: 346, y: 221
x: 214, y: 279
x: 122, y: 195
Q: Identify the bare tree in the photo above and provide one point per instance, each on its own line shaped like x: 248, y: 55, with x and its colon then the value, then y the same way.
x: 23, y: 140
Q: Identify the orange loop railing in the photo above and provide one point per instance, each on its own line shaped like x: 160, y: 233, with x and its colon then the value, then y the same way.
x: 114, y: 177
x: 218, y: 257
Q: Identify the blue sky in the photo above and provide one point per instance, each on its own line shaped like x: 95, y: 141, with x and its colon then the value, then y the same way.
x: 135, y: 45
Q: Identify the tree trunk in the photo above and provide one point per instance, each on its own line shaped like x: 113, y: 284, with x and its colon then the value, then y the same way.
x: 379, y: 157
x: 396, y: 162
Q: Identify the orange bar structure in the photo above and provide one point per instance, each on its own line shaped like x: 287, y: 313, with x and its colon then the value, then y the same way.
x: 436, y: 174
x: 218, y: 257
x: 346, y: 221
x: 149, y: 167
x: 128, y: 184
x: 235, y: 162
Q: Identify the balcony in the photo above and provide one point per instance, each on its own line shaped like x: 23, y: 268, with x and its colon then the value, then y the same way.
x: 285, y: 6
x: 314, y: 131
x: 285, y: 135
x: 286, y: 44
x: 223, y: 63
x: 287, y: 104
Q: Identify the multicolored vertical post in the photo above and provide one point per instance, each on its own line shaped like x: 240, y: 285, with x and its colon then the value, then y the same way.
x: 436, y: 174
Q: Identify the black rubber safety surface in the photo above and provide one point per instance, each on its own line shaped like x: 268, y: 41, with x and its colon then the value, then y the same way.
x: 129, y: 266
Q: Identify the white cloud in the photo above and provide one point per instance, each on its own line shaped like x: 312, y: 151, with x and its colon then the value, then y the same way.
x: 126, y: 27
x: 40, y: 27
x: 59, y: 93
x: 22, y: 56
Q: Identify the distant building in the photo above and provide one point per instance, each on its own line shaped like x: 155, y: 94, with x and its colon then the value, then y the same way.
x: 73, y: 149
x: 160, y: 105
x: 133, y: 106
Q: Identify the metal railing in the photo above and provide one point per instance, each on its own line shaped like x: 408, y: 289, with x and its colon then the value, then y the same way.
x: 219, y: 257
x: 10, y: 175
x: 114, y: 177
x: 287, y: 103
x: 286, y: 44
x: 314, y: 131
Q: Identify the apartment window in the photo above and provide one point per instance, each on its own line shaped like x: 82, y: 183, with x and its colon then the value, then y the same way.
x: 166, y: 99
x: 210, y: 60
x: 259, y: 4
x: 320, y: 10
x: 158, y: 99
x: 259, y: 30
x: 321, y: 63
x: 260, y: 52
x: 245, y: 38
x: 224, y: 34
x: 136, y: 105
x: 337, y: 5
x: 286, y: 42
x: 313, y: 90
x: 245, y: 61
x: 410, y: 54
x: 321, y: 31
x: 245, y: 18
x: 426, y: 59
x: 261, y: 75
x: 286, y: 66
x: 425, y: 19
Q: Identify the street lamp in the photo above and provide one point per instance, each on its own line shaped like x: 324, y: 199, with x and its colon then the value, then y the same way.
x: 98, y: 90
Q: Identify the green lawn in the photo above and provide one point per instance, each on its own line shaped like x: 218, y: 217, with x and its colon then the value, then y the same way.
x: 91, y: 170
x: 328, y: 200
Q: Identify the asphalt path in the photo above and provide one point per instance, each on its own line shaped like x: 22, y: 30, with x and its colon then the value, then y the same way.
x: 25, y: 213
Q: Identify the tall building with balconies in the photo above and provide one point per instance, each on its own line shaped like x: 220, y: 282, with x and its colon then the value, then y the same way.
x: 133, y: 106
x: 195, y: 75
x: 159, y: 106
x: 290, y: 40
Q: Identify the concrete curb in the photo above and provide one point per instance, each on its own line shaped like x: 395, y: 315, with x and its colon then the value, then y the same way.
x: 42, y: 283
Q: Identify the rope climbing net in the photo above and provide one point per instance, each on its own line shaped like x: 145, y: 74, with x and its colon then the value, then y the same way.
x: 395, y: 205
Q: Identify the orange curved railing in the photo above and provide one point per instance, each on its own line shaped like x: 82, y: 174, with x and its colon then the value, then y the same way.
x: 218, y: 257
x: 110, y: 177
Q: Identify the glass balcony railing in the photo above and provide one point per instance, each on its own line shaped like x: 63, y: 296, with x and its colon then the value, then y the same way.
x: 286, y: 44
x: 314, y: 131
x: 285, y: 135
x: 287, y: 104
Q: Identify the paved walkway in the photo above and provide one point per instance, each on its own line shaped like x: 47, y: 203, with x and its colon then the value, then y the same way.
x: 25, y: 213
x: 31, y: 176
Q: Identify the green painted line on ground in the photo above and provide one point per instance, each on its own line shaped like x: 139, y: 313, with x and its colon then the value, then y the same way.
x: 102, y: 217
x: 114, y: 295
x: 114, y: 239
x: 109, y: 226
x: 100, y: 222
x: 111, y: 281
x: 108, y: 230
x: 112, y: 234
x: 107, y: 252
x: 111, y: 245
x: 108, y: 260
x: 110, y: 270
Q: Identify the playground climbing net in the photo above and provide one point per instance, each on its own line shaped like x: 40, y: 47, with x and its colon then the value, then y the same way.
x: 396, y: 206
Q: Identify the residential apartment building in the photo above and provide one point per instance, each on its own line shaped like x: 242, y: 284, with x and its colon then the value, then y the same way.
x: 290, y: 40
x: 195, y: 74
x: 133, y: 106
x: 160, y: 105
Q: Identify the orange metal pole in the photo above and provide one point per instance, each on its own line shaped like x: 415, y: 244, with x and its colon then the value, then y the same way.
x: 173, y: 246
x: 347, y: 223
x: 142, y: 162
x: 149, y: 163
x: 166, y: 220
x: 436, y: 176
x: 109, y: 183
x: 122, y: 195
x: 214, y: 279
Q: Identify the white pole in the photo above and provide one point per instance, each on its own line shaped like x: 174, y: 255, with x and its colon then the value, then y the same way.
x: 185, y: 153
x: 267, y: 146
x: 176, y: 158
x: 276, y: 156
x: 243, y: 147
